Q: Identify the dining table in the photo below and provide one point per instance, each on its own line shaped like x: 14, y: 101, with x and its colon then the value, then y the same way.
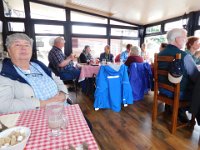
x: 88, y: 71
x: 75, y: 134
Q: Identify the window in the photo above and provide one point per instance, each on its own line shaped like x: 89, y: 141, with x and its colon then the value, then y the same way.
x: 49, y: 29
x: 153, y: 29
x: 113, y: 22
x: 77, y: 29
x: 124, y: 32
x: 43, y: 46
x: 96, y: 44
x: 81, y: 17
x: 119, y: 45
x: 199, y: 20
x: 175, y: 24
x: 14, y: 8
x: 153, y: 43
x: 197, y: 33
x: 39, y: 11
x: 16, y: 26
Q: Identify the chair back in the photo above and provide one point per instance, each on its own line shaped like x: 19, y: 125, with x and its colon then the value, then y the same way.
x: 174, y: 88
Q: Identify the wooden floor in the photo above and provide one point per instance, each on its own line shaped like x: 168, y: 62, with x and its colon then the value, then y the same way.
x: 132, y: 128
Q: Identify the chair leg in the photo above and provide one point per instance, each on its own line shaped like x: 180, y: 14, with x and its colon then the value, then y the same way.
x: 75, y: 86
x: 155, y: 108
x: 174, y: 120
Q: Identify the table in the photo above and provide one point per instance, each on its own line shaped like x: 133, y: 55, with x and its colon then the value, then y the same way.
x: 76, y: 133
x: 87, y: 71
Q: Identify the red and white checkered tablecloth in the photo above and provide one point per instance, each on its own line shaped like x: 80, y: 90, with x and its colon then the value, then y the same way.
x: 87, y: 71
x: 76, y: 133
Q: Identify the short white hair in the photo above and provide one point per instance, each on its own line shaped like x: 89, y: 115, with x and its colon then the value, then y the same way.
x: 174, y: 33
x: 135, y: 50
x: 17, y: 36
x: 58, y: 40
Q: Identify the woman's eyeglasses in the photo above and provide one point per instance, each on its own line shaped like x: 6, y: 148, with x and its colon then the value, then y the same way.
x: 34, y: 74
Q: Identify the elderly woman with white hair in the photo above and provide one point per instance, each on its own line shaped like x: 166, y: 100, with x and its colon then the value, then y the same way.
x: 134, y: 56
x: 25, y: 83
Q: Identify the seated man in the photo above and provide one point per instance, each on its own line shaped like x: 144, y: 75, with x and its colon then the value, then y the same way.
x: 25, y: 83
x: 177, y: 39
x: 63, y: 66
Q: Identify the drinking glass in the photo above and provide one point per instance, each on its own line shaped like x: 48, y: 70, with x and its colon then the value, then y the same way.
x: 55, y: 113
x: 103, y: 61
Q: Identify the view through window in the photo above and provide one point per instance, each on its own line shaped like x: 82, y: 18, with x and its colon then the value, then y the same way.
x: 96, y: 44
x: 153, y: 43
x: 119, y: 45
x: 14, y: 8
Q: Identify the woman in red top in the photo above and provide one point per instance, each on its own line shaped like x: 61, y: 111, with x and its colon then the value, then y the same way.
x: 134, y: 56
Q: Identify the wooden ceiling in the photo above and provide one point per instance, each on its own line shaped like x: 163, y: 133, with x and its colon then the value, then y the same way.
x: 133, y: 11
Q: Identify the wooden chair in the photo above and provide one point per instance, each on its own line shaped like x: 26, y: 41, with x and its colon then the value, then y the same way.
x: 175, y: 88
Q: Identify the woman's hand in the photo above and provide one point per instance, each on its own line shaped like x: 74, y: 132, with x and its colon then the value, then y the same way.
x: 60, y: 97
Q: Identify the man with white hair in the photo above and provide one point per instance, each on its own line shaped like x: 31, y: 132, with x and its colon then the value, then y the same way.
x: 177, y: 39
x: 63, y: 65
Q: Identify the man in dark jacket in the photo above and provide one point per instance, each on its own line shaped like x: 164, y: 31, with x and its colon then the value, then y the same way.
x: 177, y: 39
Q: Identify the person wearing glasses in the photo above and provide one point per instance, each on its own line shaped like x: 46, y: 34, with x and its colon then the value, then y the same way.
x: 26, y: 83
x: 177, y: 39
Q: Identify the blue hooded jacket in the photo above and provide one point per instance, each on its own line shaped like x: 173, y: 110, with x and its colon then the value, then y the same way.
x: 113, y: 88
x: 141, y: 79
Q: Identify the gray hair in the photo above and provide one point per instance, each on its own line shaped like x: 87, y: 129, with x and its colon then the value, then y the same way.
x: 17, y: 36
x: 58, y: 40
x: 135, y: 50
x: 174, y: 33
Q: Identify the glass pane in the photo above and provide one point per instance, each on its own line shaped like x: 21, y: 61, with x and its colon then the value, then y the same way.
x: 197, y: 33
x: 1, y: 41
x: 76, y: 29
x: 49, y: 29
x: 14, y: 8
x: 16, y: 26
x: 1, y: 26
x: 96, y: 45
x: 124, y: 32
x: 43, y: 46
x: 175, y: 24
x: 119, y: 45
x: 81, y: 17
x: 113, y: 22
x: 199, y: 20
x: 153, y: 29
x: 153, y: 43
x: 39, y: 11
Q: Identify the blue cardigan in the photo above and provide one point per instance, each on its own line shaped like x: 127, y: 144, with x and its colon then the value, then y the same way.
x: 113, y: 88
x: 9, y: 71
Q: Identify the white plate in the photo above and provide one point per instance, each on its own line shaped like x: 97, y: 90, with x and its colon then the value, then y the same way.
x: 22, y: 144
